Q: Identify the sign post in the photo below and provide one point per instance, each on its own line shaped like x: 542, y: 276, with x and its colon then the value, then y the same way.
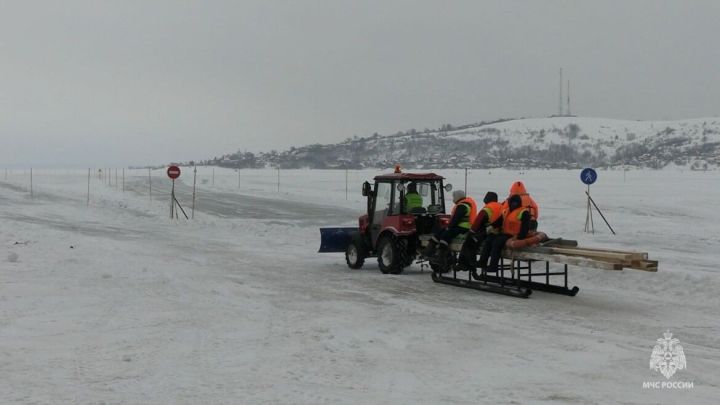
x: 589, y: 176
x: 174, y: 172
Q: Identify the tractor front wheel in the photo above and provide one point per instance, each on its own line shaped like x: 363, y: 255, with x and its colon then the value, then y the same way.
x: 355, y: 253
x: 390, y: 258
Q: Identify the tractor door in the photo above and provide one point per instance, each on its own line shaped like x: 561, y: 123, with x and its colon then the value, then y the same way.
x: 384, y: 193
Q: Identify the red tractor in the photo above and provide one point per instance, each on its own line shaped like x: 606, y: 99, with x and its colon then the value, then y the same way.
x: 402, y: 208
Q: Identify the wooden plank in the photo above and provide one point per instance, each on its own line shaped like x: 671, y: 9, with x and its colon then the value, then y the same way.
x: 645, y: 265
x: 562, y: 259
x: 635, y: 255
x: 554, y: 251
x: 624, y: 257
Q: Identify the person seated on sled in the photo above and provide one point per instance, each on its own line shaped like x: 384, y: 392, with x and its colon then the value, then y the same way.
x: 413, y: 200
x: 461, y: 218
x: 519, y: 188
x: 515, y: 224
x: 488, y: 222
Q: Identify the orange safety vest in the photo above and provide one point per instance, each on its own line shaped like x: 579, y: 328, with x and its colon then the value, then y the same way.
x: 469, y: 218
x: 493, y: 210
x: 511, y: 220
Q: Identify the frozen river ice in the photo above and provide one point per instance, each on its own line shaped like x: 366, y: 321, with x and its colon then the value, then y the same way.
x: 116, y: 303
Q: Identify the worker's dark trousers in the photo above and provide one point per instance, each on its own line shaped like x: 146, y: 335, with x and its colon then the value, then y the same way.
x: 470, y: 249
x: 449, y: 234
x: 492, y: 249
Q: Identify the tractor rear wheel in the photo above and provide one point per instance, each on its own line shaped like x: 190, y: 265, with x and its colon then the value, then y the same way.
x: 390, y: 257
x: 356, y: 252
x: 406, y: 253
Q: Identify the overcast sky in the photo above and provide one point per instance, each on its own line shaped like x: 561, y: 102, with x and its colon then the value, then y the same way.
x: 114, y: 83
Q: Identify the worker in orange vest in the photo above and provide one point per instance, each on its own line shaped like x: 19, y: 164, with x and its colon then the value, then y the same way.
x: 518, y: 188
x: 487, y: 224
x: 462, y: 217
x: 516, y: 224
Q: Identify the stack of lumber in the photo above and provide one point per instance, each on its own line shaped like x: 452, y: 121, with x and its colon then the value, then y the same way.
x: 567, y: 252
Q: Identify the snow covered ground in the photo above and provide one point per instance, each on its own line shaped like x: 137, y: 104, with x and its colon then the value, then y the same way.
x: 116, y: 303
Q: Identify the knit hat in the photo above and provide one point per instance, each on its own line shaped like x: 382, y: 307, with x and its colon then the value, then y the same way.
x: 458, y: 195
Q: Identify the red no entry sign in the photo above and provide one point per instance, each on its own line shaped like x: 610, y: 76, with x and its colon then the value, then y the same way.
x: 173, y: 172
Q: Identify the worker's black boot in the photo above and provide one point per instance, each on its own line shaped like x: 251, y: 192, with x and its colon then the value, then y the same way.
x: 468, y: 255
x: 442, y: 253
x: 429, y: 250
x: 442, y: 258
x: 482, y: 263
x: 493, y: 266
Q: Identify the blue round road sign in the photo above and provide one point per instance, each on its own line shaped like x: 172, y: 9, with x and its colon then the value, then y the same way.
x: 588, y: 176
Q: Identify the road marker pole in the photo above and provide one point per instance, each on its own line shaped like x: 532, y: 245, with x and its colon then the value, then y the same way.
x: 193, y: 200
x: 88, y: 189
x: 466, y: 190
x: 150, y: 183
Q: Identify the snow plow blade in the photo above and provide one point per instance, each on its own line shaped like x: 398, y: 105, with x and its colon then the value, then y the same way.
x: 333, y: 240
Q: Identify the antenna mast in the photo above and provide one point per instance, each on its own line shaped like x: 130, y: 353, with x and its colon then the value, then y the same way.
x: 568, y: 97
x: 560, y: 97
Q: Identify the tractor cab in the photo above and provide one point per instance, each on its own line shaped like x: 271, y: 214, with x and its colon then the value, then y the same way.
x: 403, y: 204
x: 401, y: 208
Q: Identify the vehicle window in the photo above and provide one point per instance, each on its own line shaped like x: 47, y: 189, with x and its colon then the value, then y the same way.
x: 429, y: 193
x: 424, y: 189
x: 395, y: 207
x: 382, y: 204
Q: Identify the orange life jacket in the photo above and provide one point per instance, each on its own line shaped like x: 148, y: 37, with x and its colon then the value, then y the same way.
x: 531, y: 205
x: 511, y: 220
x: 493, y: 210
x: 527, y: 202
x: 470, y: 216
x: 519, y: 188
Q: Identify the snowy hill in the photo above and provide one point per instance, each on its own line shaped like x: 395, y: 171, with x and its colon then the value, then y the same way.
x: 556, y: 142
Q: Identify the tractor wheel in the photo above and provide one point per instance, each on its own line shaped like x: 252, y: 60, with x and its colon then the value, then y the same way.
x: 356, y: 252
x: 390, y: 259
x: 407, y: 256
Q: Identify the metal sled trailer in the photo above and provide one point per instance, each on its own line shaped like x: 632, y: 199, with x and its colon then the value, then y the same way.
x: 523, y: 270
